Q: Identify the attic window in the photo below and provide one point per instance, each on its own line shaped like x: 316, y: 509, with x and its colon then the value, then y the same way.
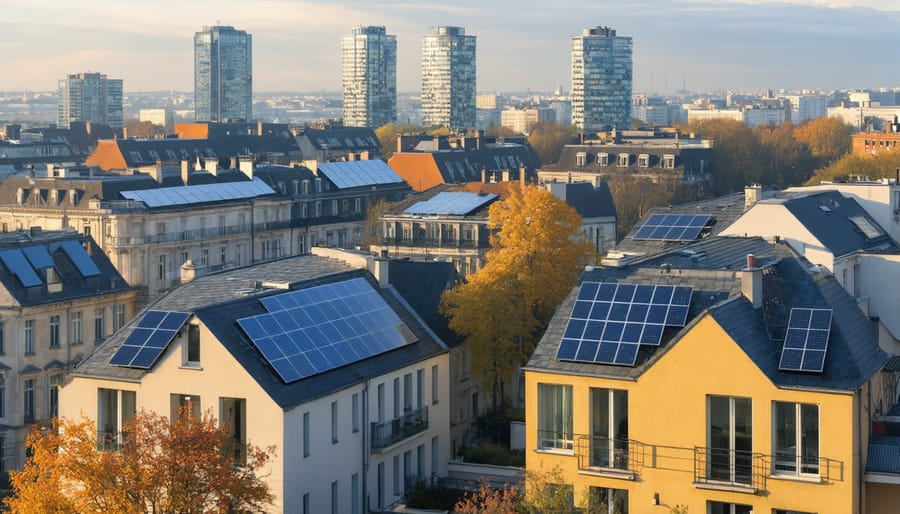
x: 603, y: 159
x: 643, y: 160
x: 623, y: 160
x: 580, y: 159
x: 136, y: 156
x: 668, y: 161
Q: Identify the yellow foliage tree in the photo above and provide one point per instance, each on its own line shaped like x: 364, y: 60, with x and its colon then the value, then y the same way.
x: 185, y: 466
x: 536, y: 255
x: 827, y: 138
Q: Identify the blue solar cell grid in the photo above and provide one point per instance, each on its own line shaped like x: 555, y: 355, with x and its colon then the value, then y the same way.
x: 80, y: 258
x: 201, y: 193
x: 359, y: 173
x: 149, y: 339
x: 610, y: 321
x: 454, y: 203
x: 314, y: 330
x: 672, y: 227
x: 806, y: 340
x: 17, y: 264
x: 38, y: 256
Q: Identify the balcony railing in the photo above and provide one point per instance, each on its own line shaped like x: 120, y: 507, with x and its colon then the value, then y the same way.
x: 734, y: 470
x: 391, y: 432
x: 434, y: 243
x: 615, y: 456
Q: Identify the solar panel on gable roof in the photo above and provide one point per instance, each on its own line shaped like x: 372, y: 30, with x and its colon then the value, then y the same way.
x: 38, y: 256
x: 314, y: 330
x: 359, y: 173
x: 149, y: 339
x: 199, y: 193
x: 79, y: 257
x: 806, y: 340
x: 672, y: 227
x: 18, y: 265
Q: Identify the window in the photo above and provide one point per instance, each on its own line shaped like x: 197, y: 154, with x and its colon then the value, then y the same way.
x: 118, y: 316
x: 357, y: 205
x: 397, y: 397
x: 730, y: 439
x: 623, y: 160
x: 180, y: 402
x: 99, y: 324
x: 796, y: 438
x: 28, y: 398
x: 605, y: 500
x: 407, y: 392
x: 161, y: 268
x: 435, y: 388
x: 192, y: 350
x: 609, y: 428
x: 644, y: 160
x: 223, y: 255
x: 75, y: 335
x: 581, y: 159
x: 204, y: 257
x: 354, y: 415
x: 54, y: 331
x: 727, y: 508
x: 306, y: 503
x: 2, y: 345
x: 380, y: 395
x: 114, y: 409
x: 668, y: 161
x: 396, y: 470
x: 334, y: 498
x: 54, y: 381
x: 435, y: 456
x: 305, y: 434
x: 2, y: 396
x: 29, y: 337
x: 354, y: 493
x: 334, y: 207
x: 334, y: 422
x: 233, y: 417
x: 555, y: 416
x: 420, y: 462
x: 318, y: 208
x: 407, y: 470
x: 380, y: 485
x: 603, y: 159
x: 420, y: 388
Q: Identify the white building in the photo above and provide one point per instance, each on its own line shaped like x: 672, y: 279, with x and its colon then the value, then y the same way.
x: 358, y: 410
x: 162, y: 117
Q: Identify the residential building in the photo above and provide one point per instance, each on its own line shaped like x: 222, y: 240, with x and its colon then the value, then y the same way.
x: 730, y: 384
x: 357, y: 414
x: 369, y: 57
x: 810, y: 107
x: 448, y: 78
x: 594, y: 203
x: 339, y: 144
x: 697, y: 115
x: 61, y: 297
x: 601, y: 80
x: 223, y: 74
x: 873, y: 143
x: 163, y: 117
x: 866, y: 117
x: 520, y: 121
x: 90, y: 98
x: 766, y: 116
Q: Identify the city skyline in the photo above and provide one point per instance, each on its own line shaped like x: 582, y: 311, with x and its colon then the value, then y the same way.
x: 700, y: 44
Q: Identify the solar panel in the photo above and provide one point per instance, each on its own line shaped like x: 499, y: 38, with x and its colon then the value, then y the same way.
x: 359, y: 173
x: 455, y: 203
x: 149, y: 339
x: 320, y: 328
x: 610, y: 321
x: 869, y: 230
x: 672, y: 227
x: 79, y: 257
x: 18, y: 265
x: 806, y: 340
x: 38, y: 256
x: 200, y: 193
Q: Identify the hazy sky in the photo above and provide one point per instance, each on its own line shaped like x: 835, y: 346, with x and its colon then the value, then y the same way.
x: 742, y: 45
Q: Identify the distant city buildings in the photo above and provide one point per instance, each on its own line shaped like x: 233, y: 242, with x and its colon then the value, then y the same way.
x: 521, y: 120
x: 448, y: 78
x: 601, y: 80
x: 223, y: 74
x: 90, y: 97
x: 162, y: 117
x: 369, y: 64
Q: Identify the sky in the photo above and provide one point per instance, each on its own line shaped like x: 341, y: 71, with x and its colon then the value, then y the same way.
x: 522, y: 45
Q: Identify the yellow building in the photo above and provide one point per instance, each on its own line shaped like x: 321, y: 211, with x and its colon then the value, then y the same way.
x: 708, y: 379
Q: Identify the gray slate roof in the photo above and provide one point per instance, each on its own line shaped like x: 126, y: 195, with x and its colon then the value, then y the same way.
x: 884, y: 455
x: 853, y: 353
x: 588, y: 200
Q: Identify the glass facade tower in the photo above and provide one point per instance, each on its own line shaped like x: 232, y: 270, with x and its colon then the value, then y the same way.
x: 448, y: 78
x: 89, y: 97
x: 601, y: 80
x: 369, y: 65
x: 223, y: 74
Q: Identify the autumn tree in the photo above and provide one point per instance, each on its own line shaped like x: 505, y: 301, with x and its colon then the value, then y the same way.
x: 548, y: 139
x: 882, y: 165
x: 143, y: 129
x: 827, y: 138
x: 187, y: 465
x: 736, y: 151
x: 387, y: 135
x: 536, y: 256
x: 487, y: 500
x: 786, y: 160
x: 372, y: 232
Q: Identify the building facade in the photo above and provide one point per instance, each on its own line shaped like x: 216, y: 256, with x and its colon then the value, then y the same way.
x: 90, y: 97
x: 369, y: 66
x: 448, y: 78
x: 223, y: 74
x: 601, y: 80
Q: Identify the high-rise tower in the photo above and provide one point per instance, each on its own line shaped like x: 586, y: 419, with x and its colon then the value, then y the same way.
x: 223, y: 74
x: 601, y: 80
x: 369, y: 64
x: 89, y: 97
x: 448, y: 78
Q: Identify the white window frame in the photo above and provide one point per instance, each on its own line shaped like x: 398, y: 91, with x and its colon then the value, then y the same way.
x: 643, y: 160
x: 795, y: 466
x: 555, y: 418
x: 668, y: 161
x: 622, y: 160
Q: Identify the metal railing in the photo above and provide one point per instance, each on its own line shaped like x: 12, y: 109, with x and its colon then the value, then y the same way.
x: 604, y: 453
x: 730, y: 469
x: 434, y: 243
x: 823, y: 468
x: 391, y: 432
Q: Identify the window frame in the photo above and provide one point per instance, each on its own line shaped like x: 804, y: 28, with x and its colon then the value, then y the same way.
x: 53, y: 326
x: 555, y: 428
x: 799, y: 465
x: 28, y: 337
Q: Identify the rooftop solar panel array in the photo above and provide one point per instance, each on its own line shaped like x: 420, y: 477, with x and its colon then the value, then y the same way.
x: 806, y: 340
x: 18, y: 265
x: 149, y: 339
x: 868, y: 229
x: 79, y: 258
x: 672, y: 227
x: 453, y: 203
x: 610, y: 321
x: 317, y: 329
x: 359, y: 173
x: 201, y: 193
x: 38, y: 256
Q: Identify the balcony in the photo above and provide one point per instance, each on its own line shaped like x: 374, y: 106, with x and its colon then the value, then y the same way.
x: 730, y: 470
x: 392, y: 432
x: 433, y: 243
x: 616, y: 458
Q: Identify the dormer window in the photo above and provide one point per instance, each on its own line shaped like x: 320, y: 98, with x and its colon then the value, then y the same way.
x: 581, y: 159
x: 603, y: 159
x: 644, y: 160
x: 668, y: 161
x: 624, y: 160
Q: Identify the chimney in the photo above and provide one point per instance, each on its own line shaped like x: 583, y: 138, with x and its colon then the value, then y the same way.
x: 157, y: 172
x: 73, y: 196
x: 211, y: 164
x: 185, y: 171
x: 20, y: 196
x: 751, y: 282
x: 484, y: 175
x: 188, y: 271
x: 381, y: 269
x: 245, y: 164
x: 505, y: 175
x: 259, y: 128
x: 53, y: 196
x: 597, y: 182
x: 522, y: 175
x: 752, y: 194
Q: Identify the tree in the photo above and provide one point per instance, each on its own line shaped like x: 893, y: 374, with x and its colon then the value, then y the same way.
x: 185, y: 466
x: 372, y: 232
x: 143, y: 129
x: 536, y: 255
x: 387, y: 135
x: 487, y: 500
x: 548, y: 139
x: 827, y: 138
x: 787, y: 161
x: 736, y: 152
x: 883, y: 165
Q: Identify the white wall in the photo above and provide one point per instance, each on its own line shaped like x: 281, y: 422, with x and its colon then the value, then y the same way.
x: 878, y: 275
x: 876, y: 198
